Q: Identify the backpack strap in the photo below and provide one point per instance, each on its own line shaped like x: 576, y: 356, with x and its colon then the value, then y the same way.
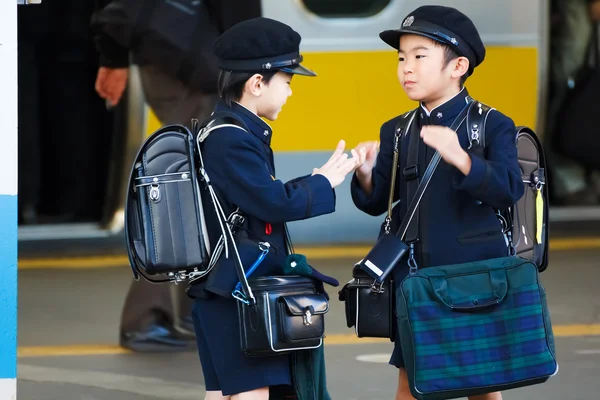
x: 476, y: 120
x: 411, y: 175
x: 217, y: 120
x: 476, y: 127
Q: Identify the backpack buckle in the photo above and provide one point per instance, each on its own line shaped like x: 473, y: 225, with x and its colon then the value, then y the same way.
x: 410, y: 173
x: 474, y: 139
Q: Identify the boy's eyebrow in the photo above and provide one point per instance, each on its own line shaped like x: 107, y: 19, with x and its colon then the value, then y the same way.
x: 415, y: 49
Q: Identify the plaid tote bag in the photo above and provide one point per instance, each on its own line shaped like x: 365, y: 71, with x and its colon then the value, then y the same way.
x: 475, y: 328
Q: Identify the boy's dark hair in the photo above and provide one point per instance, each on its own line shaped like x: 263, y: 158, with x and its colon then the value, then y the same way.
x: 231, y: 83
x: 449, y: 55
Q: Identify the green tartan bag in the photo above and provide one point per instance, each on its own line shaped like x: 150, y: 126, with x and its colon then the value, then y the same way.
x: 475, y: 328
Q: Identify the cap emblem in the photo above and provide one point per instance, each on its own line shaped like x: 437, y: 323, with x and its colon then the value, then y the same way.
x: 408, y: 21
x: 454, y: 41
x: 268, y: 66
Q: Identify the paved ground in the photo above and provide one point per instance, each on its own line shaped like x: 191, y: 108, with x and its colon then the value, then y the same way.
x: 68, y: 320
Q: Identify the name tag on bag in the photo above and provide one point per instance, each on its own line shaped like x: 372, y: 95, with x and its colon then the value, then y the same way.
x: 383, y: 257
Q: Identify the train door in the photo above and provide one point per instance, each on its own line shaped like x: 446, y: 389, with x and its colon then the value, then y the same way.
x: 72, y: 147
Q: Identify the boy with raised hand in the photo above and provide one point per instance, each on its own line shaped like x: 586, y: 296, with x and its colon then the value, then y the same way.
x: 438, y: 48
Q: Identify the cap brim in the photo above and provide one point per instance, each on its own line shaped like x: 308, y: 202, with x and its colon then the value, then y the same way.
x: 392, y: 37
x: 298, y: 70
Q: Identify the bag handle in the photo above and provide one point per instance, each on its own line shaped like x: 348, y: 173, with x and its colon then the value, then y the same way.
x: 499, y: 286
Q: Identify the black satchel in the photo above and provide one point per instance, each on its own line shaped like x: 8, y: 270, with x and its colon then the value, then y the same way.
x: 288, y: 314
x: 278, y: 314
x: 369, y: 308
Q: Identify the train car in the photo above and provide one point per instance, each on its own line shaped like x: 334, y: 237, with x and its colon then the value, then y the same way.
x: 356, y: 90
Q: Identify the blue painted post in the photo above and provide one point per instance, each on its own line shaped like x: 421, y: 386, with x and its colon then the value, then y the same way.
x: 8, y: 199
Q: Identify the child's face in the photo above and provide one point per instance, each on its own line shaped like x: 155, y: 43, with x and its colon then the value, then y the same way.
x: 421, y: 71
x: 274, y: 96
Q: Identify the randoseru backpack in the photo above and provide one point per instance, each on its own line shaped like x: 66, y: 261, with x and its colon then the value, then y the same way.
x: 526, y: 222
x: 168, y: 195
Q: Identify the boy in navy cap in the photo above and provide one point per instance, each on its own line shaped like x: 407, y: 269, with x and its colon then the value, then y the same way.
x: 258, y: 59
x: 438, y: 48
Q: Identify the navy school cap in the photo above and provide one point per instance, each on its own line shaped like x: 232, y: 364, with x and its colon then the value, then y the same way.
x: 260, y: 45
x: 445, y: 25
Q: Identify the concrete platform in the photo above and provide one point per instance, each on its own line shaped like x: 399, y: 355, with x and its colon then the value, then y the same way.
x: 68, y: 340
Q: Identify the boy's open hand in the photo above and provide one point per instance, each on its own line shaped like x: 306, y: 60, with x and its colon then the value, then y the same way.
x: 445, y: 140
x: 367, y: 154
x: 338, y: 165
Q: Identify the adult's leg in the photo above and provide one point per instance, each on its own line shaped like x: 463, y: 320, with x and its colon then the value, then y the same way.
x: 147, y: 320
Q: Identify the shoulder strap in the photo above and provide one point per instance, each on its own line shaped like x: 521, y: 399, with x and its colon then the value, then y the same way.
x: 411, y: 175
x: 217, y: 120
x: 401, y: 127
x: 416, y: 199
x: 227, y: 224
x: 476, y: 119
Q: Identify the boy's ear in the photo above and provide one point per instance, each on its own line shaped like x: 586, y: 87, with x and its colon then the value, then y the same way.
x: 255, y: 85
x: 461, y: 67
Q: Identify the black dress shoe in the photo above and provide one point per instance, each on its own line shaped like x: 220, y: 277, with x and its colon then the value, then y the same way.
x: 157, y: 338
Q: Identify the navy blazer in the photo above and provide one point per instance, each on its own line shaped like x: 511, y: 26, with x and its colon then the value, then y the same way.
x: 241, y: 168
x: 457, y: 221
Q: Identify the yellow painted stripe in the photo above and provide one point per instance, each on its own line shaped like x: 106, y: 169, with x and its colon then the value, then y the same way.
x: 324, y: 253
x: 575, y: 243
x: 73, y: 262
x: 76, y: 350
x: 563, y: 331
x: 576, y: 330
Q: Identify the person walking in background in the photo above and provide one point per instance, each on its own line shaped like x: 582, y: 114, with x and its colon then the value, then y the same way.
x: 157, y: 317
